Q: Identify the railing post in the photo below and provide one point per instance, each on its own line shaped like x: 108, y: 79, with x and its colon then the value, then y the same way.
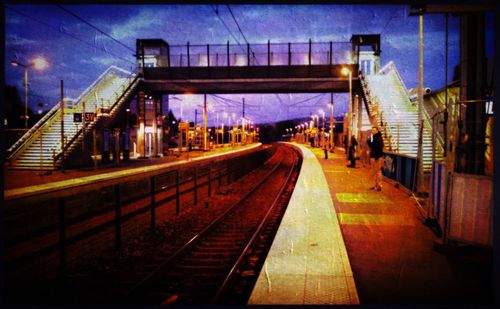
x: 153, y: 204
x: 228, y: 56
x: 62, y: 126
x: 118, y: 215
x: 208, y: 55
x: 310, y: 51
x: 41, y: 150
x: 188, y: 57
x: 53, y: 158
x: 289, y: 54
x: 195, y: 180
x: 177, y: 196
x: 248, y: 54
x: 219, y: 180
x: 209, y: 182
x: 168, y: 55
x: 398, y: 136
x: 62, y: 238
x: 268, y: 52
x: 331, y: 53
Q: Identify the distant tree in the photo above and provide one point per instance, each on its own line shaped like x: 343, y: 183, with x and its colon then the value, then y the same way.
x: 170, y: 129
x: 456, y: 73
x: 13, y: 108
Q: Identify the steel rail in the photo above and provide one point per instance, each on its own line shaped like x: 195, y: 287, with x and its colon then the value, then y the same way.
x: 255, y: 235
x: 198, y: 236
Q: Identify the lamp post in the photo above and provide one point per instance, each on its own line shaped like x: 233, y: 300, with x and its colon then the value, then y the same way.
x: 345, y: 71
x: 420, y: 104
x: 331, y: 123
x: 39, y: 64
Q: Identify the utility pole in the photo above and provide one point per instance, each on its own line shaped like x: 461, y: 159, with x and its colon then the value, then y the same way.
x: 420, y: 103
x: 83, y: 124
x: 332, y: 128
x: 62, y: 125
x: 205, y: 122
x: 26, y: 97
x: 243, y: 136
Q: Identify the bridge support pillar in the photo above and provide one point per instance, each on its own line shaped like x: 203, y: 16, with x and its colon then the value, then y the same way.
x: 472, y: 122
x: 141, y: 108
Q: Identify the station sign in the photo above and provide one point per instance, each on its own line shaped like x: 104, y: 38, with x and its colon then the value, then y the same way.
x: 77, y: 117
x: 489, y: 106
x: 89, y: 117
x: 103, y: 111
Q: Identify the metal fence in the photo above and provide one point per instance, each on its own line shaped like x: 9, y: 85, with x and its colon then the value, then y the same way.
x: 55, y: 229
x: 275, y: 54
x: 400, y: 168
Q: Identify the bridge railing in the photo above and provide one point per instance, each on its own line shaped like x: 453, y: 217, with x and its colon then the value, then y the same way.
x: 270, y: 54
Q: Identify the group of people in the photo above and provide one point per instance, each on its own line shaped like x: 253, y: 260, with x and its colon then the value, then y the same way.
x: 376, y: 145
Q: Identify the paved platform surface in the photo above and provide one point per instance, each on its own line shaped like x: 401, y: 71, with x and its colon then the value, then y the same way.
x: 18, y: 182
x: 390, y: 248
x: 307, y: 262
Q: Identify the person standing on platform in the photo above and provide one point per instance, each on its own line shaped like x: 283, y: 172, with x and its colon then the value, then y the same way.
x: 326, y: 148
x: 345, y: 146
x: 352, y: 151
x: 376, y: 144
x: 365, y: 153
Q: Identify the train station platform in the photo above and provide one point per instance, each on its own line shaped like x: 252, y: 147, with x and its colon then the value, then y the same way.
x: 307, y: 262
x: 19, y: 182
x: 389, y: 248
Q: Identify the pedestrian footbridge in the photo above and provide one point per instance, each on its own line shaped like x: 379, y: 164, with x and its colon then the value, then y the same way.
x: 254, y: 68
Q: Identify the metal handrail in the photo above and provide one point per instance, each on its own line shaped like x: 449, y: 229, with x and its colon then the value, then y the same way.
x: 391, y: 66
x: 252, y: 53
x: 379, y: 117
x: 426, y: 116
x: 23, y: 142
x: 439, y: 138
x: 121, y: 95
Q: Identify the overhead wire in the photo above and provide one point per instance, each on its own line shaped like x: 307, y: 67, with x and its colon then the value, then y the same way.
x: 236, y: 103
x: 306, y: 100
x: 94, y: 27
x: 237, y: 24
x: 242, y: 34
x: 225, y: 25
x: 68, y: 34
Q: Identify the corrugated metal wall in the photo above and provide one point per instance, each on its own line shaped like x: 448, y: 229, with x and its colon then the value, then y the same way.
x: 438, y: 192
x: 470, y: 209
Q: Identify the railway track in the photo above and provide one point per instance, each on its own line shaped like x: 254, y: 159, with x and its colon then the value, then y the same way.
x: 220, y: 264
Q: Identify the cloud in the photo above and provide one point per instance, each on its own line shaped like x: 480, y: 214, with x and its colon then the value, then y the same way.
x: 12, y: 20
x: 15, y: 41
x: 129, y: 29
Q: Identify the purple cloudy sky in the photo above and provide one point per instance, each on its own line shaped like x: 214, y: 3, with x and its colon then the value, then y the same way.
x: 78, y: 54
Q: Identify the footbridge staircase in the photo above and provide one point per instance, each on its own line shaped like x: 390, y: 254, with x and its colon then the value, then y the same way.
x: 389, y: 106
x: 40, y: 147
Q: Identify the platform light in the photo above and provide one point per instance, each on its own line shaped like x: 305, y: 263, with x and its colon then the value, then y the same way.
x: 38, y: 63
x: 345, y: 71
